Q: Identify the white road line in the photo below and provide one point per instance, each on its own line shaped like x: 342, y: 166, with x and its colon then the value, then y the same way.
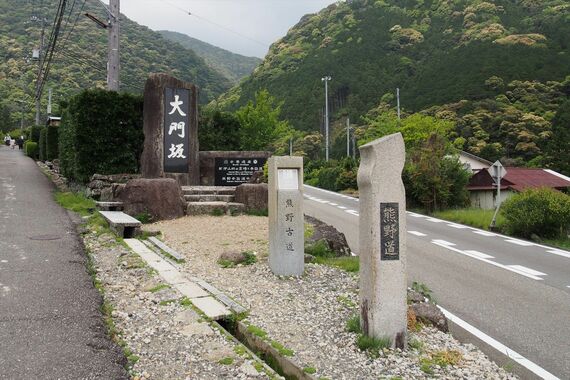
x: 342, y: 207
x: 536, y: 369
x: 417, y: 233
x: 527, y: 270
x: 458, y: 226
x: 484, y: 233
x: 413, y: 214
x: 352, y: 212
x: 568, y: 286
x: 560, y: 253
x: 479, y: 254
x: 434, y: 220
x: 519, y: 242
x: 332, y: 193
x: 443, y: 242
x: 333, y: 204
x: 477, y: 257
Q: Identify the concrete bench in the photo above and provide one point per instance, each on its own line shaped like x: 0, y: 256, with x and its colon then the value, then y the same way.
x: 109, y: 206
x: 122, y: 224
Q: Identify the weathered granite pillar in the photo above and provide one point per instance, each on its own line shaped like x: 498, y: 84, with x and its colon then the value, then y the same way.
x: 286, y: 221
x: 383, y: 309
x: 170, y: 130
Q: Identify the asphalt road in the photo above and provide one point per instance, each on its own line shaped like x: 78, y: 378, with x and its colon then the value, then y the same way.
x: 516, y: 292
x: 50, y: 324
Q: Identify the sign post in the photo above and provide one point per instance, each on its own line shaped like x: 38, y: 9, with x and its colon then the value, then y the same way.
x: 286, y: 219
x: 382, y: 237
x: 497, y: 171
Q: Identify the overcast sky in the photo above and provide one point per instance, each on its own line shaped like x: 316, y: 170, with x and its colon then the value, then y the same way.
x: 246, y: 27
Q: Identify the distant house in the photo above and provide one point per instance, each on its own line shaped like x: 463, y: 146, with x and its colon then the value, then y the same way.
x: 53, y: 120
x: 473, y: 163
x: 483, y: 191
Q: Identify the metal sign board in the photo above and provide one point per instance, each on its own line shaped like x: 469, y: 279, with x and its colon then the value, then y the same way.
x: 497, y: 171
x: 238, y: 170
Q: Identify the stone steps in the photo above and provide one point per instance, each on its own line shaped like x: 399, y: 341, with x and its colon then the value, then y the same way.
x: 208, y: 190
x: 224, y: 208
x: 209, y: 198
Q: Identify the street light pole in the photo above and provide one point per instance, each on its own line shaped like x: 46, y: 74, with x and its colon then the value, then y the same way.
x: 347, y: 137
x: 326, y: 79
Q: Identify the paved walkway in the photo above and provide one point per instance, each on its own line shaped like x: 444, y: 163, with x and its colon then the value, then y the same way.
x: 50, y: 324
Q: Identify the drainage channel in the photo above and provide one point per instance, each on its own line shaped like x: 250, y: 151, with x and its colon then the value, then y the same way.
x: 259, y: 349
x: 263, y: 350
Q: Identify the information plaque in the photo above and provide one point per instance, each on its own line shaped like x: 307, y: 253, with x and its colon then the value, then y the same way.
x: 235, y: 171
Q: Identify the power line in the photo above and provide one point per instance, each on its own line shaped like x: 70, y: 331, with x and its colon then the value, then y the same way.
x: 264, y: 44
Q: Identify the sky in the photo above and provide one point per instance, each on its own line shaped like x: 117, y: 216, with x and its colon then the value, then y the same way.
x: 246, y: 27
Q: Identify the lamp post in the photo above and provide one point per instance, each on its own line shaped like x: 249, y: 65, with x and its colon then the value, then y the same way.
x: 326, y: 79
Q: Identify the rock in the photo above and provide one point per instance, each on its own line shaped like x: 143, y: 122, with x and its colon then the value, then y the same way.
x: 430, y: 314
x: 253, y: 196
x: 415, y: 297
x: 248, y: 370
x: 161, y: 198
x: 335, y: 240
x: 99, y: 186
x: 309, y: 258
x: 234, y: 257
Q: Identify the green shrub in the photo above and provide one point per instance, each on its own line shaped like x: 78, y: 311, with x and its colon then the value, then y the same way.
x: 544, y: 212
x: 43, y: 144
x: 35, y: 133
x: 105, y: 125
x: 52, y: 144
x: 31, y: 149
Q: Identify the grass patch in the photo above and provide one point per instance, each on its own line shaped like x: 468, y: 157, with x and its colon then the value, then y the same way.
x: 226, y: 361
x: 159, y: 287
x: 226, y: 263
x: 416, y: 345
x: 256, y: 331
x: 76, y: 202
x: 309, y: 370
x: 166, y: 302
x: 250, y: 258
x: 144, y: 217
x: 282, y: 350
x: 474, y: 217
x: 240, y: 350
x: 309, y: 230
x: 346, y: 302
x: 263, y: 212
x: 185, y: 301
x: 423, y: 290
x: 560, y: 243
x: 319, y: 249
x: 353, y: 324
x: 346, y: 263
x: 442, y: 359
x: 217, y: 212
x: 373, y: 345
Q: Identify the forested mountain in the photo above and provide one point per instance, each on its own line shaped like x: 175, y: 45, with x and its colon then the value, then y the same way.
x: 436, y: 51
x: 80, y: 60
x: 233, y: 66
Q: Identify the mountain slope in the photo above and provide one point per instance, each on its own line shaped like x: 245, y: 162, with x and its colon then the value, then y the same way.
x: 435, y: 51
x: 81, y: 61
x: 232, y: 66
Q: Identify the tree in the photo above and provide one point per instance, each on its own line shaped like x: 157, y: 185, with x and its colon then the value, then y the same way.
x: 219, y: 131
x: 556, y: 150
x: 260, y: 125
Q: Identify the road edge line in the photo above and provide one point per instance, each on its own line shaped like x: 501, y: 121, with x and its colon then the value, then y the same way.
x: 498, y: 346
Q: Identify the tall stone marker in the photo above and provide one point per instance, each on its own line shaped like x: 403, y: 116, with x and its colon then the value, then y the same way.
x: 286, y: 220
x: 383, y: 306
x: 170, y: 130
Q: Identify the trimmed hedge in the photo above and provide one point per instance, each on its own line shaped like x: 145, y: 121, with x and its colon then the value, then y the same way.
x: 35, y: 133
x: 543, y: 212
x: 52, y: 148
x: 101, y: 132
x: 31, y: 149
x: 43, y: 144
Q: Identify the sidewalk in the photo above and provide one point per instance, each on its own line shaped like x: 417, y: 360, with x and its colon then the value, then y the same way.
x: 50, y: 324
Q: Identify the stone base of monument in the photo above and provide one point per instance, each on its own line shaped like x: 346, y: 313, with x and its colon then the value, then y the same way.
x: 205, y: 200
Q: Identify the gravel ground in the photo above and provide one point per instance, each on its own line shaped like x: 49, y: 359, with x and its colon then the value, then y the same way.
x: 166, y: 339
x: 308, y: 314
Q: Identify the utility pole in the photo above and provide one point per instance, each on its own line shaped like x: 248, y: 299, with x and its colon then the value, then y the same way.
x: 113, y: 65
x: 49, y: 103
x: 398, y: 100
x: 347, y: 137
x: 40, y: 63
x: 326, y: 79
